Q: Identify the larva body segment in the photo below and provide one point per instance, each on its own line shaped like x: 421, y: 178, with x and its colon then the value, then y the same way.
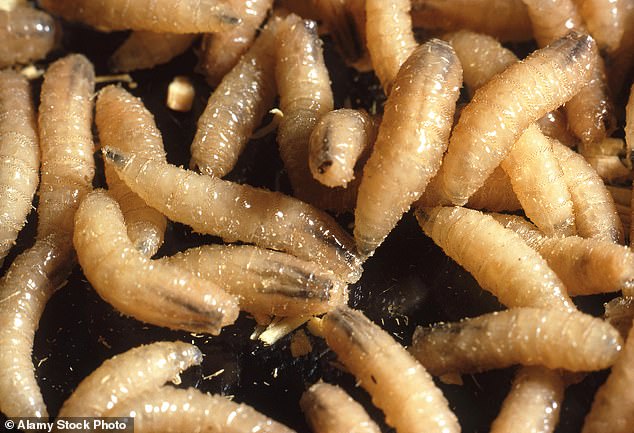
x: 605, y: 20
x: 529, y: 336
x: 619, y: 312
x: 411, y: 141
x: 236, y: 108
x: 265, y: 281
x: 504, y: 107
x: 398, y: 384
x: 555, y: 125
x: 19, y: 156
x: 145, y: 49
x: 329, y: 409
x: 239, y: 212
x: 189, y: 410
x: 390, y: 37
x: 128, y: 375
x: 27, y: 34
x: 150, y: 291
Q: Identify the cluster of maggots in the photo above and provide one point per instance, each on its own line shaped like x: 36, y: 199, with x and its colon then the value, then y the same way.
x: 510, y: 181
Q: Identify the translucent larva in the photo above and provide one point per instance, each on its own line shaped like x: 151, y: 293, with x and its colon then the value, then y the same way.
x: 236, y: 108
x: 128, y: 375
x: 150, y: 291
x: 605, y: 20
x: 390, y: 37
x: 619, y: 312
x: 398, y: 384
x: 501, y: 110
x: 239, y: 212
x: 144, y: 50
x: 19, y: 156
x: 411, y: 141
x: 519, y: 277
x: 27, y: 34
x: 528, y: 336
x: 265, y: 281
x: 329, y: 409
x: 555, y: 125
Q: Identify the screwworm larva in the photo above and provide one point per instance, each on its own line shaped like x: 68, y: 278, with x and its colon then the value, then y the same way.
x: 145, y: 49
x: 619, y: 312
x: 27, y: 34
x: 605, y: 20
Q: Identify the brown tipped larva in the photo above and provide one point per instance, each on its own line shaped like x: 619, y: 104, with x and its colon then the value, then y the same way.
x: 180, y: 16
x: 418, y: 116
x: 236, y: 108
x: 28, y: 284
x: 145, y: 49
x: 170, y: 409
x: 533, y: 403
x: 528, y: 336
x: 27, y: 34
x: 329, y: 409
x: 605, y: 20
x: 390, y: 37
x: 130, y: 374
x: 265, y: 281
x: 398, y: 384
x: 19, y: 156
x: 150, y: 291
x: 501, y: 110
x: 519, y: 277
x: 619, y: 312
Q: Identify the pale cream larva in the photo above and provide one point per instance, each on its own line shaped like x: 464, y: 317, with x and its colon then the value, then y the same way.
x: 145, y: 49
x: 605, y: 20
x: 518, y: 277
x: 265, y: 281
x: 19, y: 156
x: 528, y: 336
x: 150, y: 291
x: 398, y: 384
x: 411, y: 141
x: 501, y: 110
x: 619, y: 312
x: 129, y: 374
x: 27, y: 34
x: 236, y: 108
x: 329, y: 409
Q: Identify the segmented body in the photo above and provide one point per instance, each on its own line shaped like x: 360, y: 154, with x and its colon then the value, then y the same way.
x: 605, y: 20
x: 619, y: 312
x: 27, y: 34
x: 145, y: 49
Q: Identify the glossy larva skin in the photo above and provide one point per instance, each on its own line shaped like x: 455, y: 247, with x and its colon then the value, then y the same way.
x: 239, y: 212
x: 145, y: 49
x: 619, y: 312
x: 329, y: 409
x: 128, y: 375
x: 555, y: 125
x: 180, y: 16
x: 519, y: 277
x: 236, y: 107
x: 27, y: 34
x: 605, y: 20
x: 411, y: 141
x: 390, y: 37
x: 529, y: 336
x: 19, y: 156
x: 171, y: 410
x: 398, y: 384
x: 265, y: 281
x: 124, y: 122
x: 595, y: 212
x: 501, y: 110
x: 150, y: 291
x: 533, y: 403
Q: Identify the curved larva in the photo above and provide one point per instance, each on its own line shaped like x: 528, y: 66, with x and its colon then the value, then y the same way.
x: 390, y: 37
x: 236, y: 108
x: 418, y: 116
x: 612, y: 406
x: 595, y: 213
x: 189, y: 410
x: 239, y: 212
x: 180, y: 16
x: 528, y: 336
x: 503, y: 108
x: 128, y: 375
x: 30, y: 281
x: 220, y: 52
x: 533, y: 403
x: 265, y: 281
x: 144, y: 50
x: 619, y: 312
x: 399, y: 385
x: 150, y: 291
x: 27, y: 34
x: 19, y: 156
x: 605, y: 20
x: 518, y: 277
x: 329, y: 409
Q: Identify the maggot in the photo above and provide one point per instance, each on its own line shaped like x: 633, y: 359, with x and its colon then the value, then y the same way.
x: 619, y: 312
x: 605, y: 20
x: 145, y: 49
x: 27, y: 34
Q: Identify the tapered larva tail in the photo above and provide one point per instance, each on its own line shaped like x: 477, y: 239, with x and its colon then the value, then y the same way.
x: 27, y: 34
x: 144, y: 50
